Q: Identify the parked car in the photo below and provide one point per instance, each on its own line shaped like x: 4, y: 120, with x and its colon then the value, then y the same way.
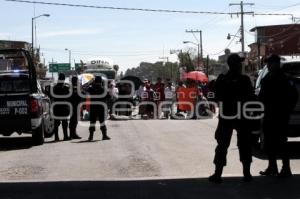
x: 24, y: 108
x: 291, y: 68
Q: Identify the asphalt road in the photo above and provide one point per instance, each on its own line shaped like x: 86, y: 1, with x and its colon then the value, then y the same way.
x: 144, y: 159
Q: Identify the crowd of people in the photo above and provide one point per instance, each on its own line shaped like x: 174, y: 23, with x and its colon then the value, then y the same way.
x: 233, y: 91
x: 165, y: 100
x: 155, y: 101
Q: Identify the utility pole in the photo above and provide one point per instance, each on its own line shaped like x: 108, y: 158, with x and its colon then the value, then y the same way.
x: 295, y: 19
x: 52, y: 70
x: 200, y: 52
x: 164, y: 58
x: 242, y: 13
x: 32, y: 39
x: 173, y: 51
x: 207, y: 65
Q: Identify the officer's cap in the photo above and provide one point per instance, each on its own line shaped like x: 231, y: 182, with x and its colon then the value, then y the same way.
x: 98, y: 79
x: 234, y: 58
x: 61, y: 76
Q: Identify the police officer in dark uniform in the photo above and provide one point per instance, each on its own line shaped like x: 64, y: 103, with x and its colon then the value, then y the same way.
x: 232, y: 90
x: 60, y: 91
x: 75, y: 100
x: 98, y: 111
x: 279, y: 96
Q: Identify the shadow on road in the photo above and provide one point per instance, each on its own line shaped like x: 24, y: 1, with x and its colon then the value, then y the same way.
x: 232, y: 187
x: 86, y: 141
x: 294, y: 151
x: 15, y: 143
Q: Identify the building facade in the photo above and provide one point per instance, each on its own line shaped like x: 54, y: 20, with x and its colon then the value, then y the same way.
x: 276, y: 39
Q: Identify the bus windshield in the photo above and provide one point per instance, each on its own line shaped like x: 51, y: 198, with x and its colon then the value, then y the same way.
x: 109, y: 74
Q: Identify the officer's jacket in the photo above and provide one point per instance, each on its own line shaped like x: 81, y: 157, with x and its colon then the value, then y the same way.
x: 278, y: 94
x: 232, y: 91
x: 60, y: 97
x: 98, y: 93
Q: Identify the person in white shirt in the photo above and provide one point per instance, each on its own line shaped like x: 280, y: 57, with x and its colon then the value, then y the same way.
x: 141, y: 89
x: 169, y: 98
x: 113, y: 92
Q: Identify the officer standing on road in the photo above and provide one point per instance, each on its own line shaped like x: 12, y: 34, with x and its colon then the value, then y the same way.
x: 75, y: 100
x: 279, y: 96
x: 98, y: 110
x: 60, y: 92
x: 232, y: 90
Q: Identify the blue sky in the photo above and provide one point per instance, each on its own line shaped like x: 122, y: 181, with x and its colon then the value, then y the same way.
x: 129, y: 37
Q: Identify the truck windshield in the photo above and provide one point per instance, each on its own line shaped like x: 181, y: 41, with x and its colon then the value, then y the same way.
x: 13, y: 61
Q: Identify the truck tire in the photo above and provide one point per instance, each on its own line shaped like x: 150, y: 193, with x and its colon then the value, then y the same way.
x: 38, y: 135
x: 49, y: 128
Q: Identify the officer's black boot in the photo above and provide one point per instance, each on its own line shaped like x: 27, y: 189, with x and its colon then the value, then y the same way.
x: 91, y: 136
x: 56, y: 135
x: 73, y: 134
x: 286, y: 169
x: 66, y: 137
x: 246, y: 172
x: 216, y: 177
x: 272, y: 169
x: 104, y: 133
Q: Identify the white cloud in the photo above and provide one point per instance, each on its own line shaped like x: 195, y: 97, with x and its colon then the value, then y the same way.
x: 4, y: 35
x: 60, y: 33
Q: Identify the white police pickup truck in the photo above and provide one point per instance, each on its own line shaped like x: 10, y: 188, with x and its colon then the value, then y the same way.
x: 24, y: 108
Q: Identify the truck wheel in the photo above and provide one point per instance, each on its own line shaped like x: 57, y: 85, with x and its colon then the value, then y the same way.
x: 38, y: 135
x: 49, y: 128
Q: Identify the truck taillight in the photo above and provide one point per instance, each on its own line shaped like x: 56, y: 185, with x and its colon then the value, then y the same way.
x: 34, y: 105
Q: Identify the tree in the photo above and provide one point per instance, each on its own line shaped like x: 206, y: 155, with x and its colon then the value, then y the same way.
x: 185, y: 61
x: 152, y: 71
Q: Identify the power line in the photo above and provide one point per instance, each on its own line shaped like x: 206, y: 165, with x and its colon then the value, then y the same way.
x: 102, y: 54
x: 290, y: 6
x: 228, y: 45
x: 119, y: 8
x: 242, y: 13
x: 142, y: 9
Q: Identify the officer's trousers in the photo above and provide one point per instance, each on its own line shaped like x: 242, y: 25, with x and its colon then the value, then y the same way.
x: 275, y: 140
x: 98, y: 112
x: 223, y: 136
x: 73, y: 124
x: 64, y: 127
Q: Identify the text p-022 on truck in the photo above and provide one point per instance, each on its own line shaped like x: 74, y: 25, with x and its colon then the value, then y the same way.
x: 24, y: 108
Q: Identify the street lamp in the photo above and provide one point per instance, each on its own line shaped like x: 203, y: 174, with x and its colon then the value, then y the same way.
x: 241, y: 40
x: 229, y: 36
x: 66, y: 49
x: 198, y: 47
x: 32, y: 32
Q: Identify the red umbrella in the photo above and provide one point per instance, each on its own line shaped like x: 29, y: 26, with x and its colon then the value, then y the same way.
x: 197, y: 76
